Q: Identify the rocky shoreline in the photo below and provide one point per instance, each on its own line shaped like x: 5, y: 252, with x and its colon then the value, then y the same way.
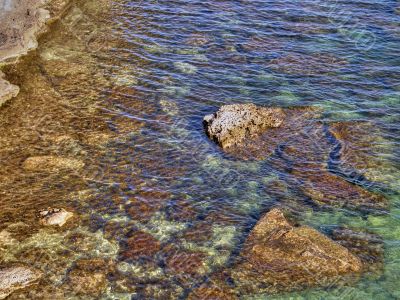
x: 21, y: 24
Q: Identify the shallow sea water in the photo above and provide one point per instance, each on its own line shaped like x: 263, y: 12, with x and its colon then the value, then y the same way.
x: 123, y: 86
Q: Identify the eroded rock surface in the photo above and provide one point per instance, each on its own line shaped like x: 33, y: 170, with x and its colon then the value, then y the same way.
x: 278, y: 256
x: 231, y: 124
x: 55, y: 216
x: 16, y: 277
x: 247, y: 131
x: 7, y: 90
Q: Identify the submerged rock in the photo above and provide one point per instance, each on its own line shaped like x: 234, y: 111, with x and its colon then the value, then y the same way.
x: 54, y: 216
x: 364, y: 151
x: 231, y: 124
x: 141, y: 244
x: 17, y: 277
x: 367, y: 246
x: 212, y: 292
x: 325, y: 188
x: 88, y: 277
x: 278, y: 256
x: 51, y: 163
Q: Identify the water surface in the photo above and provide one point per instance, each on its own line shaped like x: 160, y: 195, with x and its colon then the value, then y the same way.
x: 123, y: 87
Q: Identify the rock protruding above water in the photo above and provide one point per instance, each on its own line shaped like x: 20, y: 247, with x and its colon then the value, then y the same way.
x: 279, y: 256
x: 17, y: 277
x: 247, y: 131
x: 55, y: 216
x: 231, y: 124
x: 7, y: 90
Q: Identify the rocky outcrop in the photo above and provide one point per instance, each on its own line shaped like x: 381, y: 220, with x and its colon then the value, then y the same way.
x: 17, y: 277
x: 247, y: 131
x: 7, y: 90
x: 231, y: 124
x: 278, y: 256
x: 54, y: 216
x: 51, y: 163
x: 21, y: 22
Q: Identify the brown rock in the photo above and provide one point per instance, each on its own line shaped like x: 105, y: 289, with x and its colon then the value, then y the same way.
x: 17, y: 277
x: 298, y: 129
x: 89, y: 276
x: 185, y: 263
x: 54, y: 216
x: 231, y: 124
x: 325, y: 188
x: 362, y: 150
x: 279, y: 256
x: 7, y: 90
x: 141, y: 244
x: 367, y: 246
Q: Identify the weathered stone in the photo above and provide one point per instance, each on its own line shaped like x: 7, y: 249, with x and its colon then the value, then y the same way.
x: 231, y: 124
x: 298, y: 129
x: 325, y: 188
x: 17, y: 277
x: 278, y: 256
x: 7, y: 90
x: 54, y: 216
x: 51, y: 163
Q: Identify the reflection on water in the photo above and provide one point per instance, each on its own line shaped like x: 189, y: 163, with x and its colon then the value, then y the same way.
x: 113, y: 100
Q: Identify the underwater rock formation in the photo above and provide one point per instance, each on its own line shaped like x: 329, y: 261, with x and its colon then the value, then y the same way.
x: 212, y: 292
x: 325, y: 188
x: 231, y: 124
x: 88, y: 277
x: 141, y: 244
x: 51, y: 163
x: 278, y: 256
x: 367, y: 246
x: 54, y: 216
x: 361, y: 147
x: 17, y: 277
